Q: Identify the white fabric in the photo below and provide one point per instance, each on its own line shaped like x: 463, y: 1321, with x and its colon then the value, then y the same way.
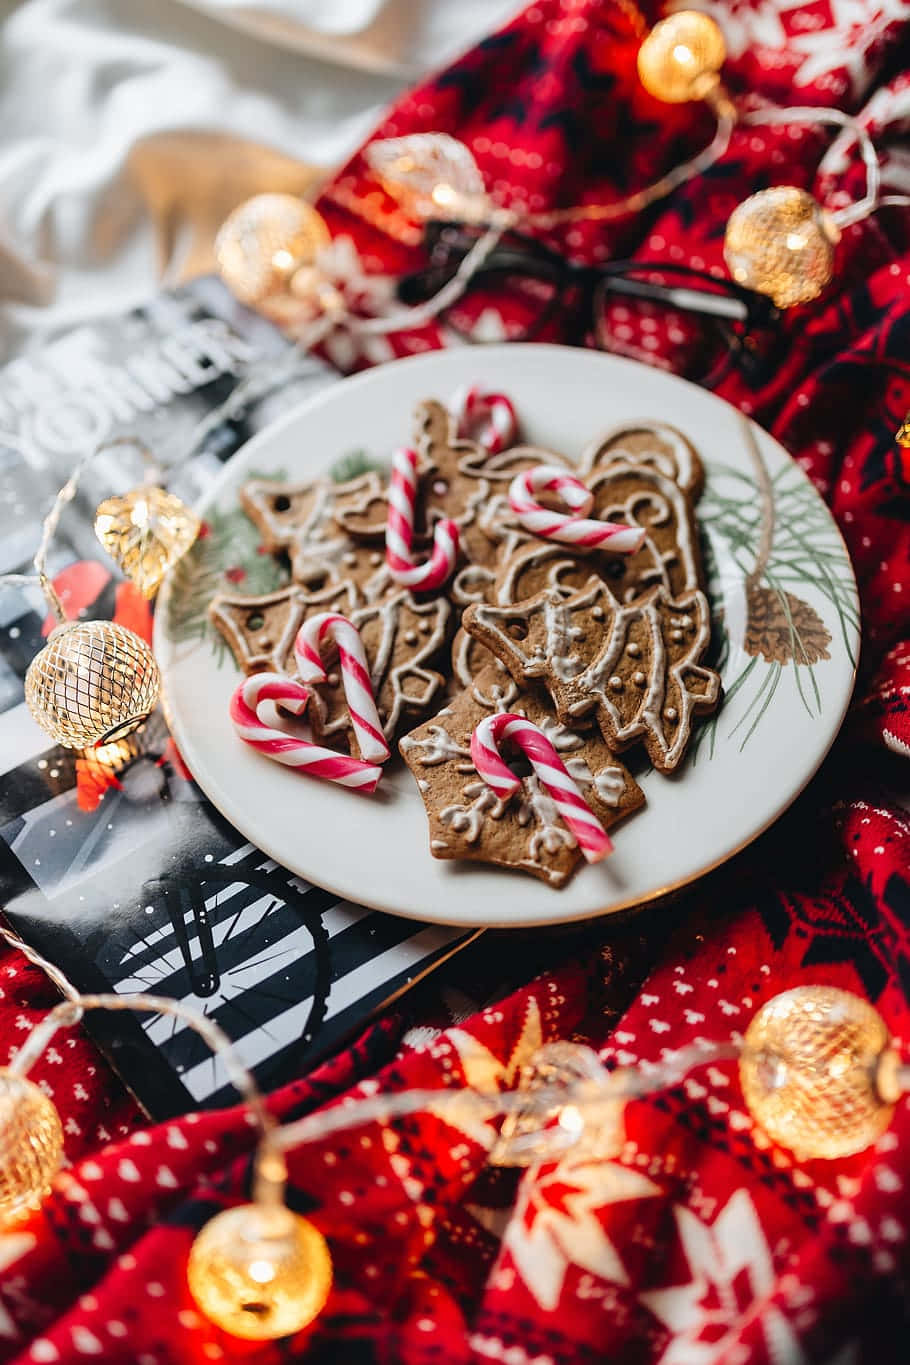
x: 81, y: 81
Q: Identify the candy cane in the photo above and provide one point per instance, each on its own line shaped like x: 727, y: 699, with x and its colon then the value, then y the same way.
x: 399, y: 532
x: 255, y: 698
x: 580, y: 820
x: 355, y: 676
x: 571, y: 529
x: 470, y: 405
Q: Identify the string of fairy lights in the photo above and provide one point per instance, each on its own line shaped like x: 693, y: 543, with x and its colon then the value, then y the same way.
x: 779, y: 241
x: 818, y: 1069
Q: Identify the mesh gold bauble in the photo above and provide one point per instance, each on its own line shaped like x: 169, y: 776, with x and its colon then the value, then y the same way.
x: 31, y: 1144
x: 813, y: 1071
x: 261, y: 244
x: 781, y: 243
x: 146, y: 531
x: 260, y: 1273
x: 681, y: 57
x: 93, y: 681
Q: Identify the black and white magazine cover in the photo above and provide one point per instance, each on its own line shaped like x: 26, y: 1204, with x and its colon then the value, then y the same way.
x: 113, y: 864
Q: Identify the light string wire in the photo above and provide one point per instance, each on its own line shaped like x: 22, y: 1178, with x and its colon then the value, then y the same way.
x: 269, y: 1168
x: 650, y: 194
x: 258, y: 384
x: 861, y: 208
x: 583, y: 1092
x: 52, y: 521
x: 501, y: 220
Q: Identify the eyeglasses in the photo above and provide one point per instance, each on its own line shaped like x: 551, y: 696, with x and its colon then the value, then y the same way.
x: 670, y: 315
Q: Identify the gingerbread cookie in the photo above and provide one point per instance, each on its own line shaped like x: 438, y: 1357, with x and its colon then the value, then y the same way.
x: 635, y: 666
x: 468, y: 820
x: 446, y: 491
x: 299, y: 519
x: 261, y: 630
x: 648, y: 445
x: 400, y: 636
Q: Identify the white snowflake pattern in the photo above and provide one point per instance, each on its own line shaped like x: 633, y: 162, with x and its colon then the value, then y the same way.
x: 555, y: 1225
x: 731, y: 1268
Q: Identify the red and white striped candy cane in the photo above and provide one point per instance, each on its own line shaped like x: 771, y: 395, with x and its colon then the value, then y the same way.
x: 399, y: 531
x: 256, y: 698
x: 355, y: 676
x: 570, y: 528
x: 471, y: 405
x: 578, y: 816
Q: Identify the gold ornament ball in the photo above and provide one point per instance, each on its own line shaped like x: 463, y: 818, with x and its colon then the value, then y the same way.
x: 260, y: 1272
x: 681, y: 57
x: 146, y: 531
x: 93, y: 682
x: 781, y: 243
x: 31, y: 1144
x: 264, y: 241
x: 818, y: 1072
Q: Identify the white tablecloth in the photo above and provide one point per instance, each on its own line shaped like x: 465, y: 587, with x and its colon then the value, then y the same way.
x: 129, y: 127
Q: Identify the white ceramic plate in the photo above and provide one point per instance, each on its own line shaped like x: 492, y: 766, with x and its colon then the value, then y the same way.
x: 773, y: 730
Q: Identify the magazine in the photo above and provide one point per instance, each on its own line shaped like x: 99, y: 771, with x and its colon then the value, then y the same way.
x: 112, y: 863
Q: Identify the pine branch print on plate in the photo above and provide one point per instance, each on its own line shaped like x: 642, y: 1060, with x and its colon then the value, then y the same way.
x: 776, y: 534
x: 227, y: 553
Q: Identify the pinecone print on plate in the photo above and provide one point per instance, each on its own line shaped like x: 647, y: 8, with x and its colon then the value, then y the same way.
x: 781, y: 627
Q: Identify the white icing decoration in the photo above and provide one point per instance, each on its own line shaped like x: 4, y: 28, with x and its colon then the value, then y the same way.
x: 471, y: 584
x: 559, y: 736
x: 551, y: 834
x: 468, y: 820
x: 560, y: 636
x: 678, y: 466
x: 588, y: 685
x: 383, y: 672
x: 667, y: 504
x: 438, y: 747
x: 610, y: 785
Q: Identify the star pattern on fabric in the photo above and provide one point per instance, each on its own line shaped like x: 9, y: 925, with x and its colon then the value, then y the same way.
x: 745, y: 24
x: 484, y: 1071
x: 13, y: 1246
x: 731, y: 1268
x: 845, y: 45
x: 841, y: 44
x: 556, y: 1226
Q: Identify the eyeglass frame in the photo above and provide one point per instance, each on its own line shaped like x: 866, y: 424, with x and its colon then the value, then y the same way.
x: 726, y: 303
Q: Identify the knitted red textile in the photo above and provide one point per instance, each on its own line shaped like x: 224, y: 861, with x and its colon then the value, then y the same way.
x: 701, y: 1243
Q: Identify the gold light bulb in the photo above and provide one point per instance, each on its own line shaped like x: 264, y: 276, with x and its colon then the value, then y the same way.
x: 264, y: 241
x: 146, y: 531
x: 31, y: 1144
x: 818, y: 1072
x: 93, y: 681
x: 681, y: 57
x: 260, y: 1272
x: 781, y: 243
